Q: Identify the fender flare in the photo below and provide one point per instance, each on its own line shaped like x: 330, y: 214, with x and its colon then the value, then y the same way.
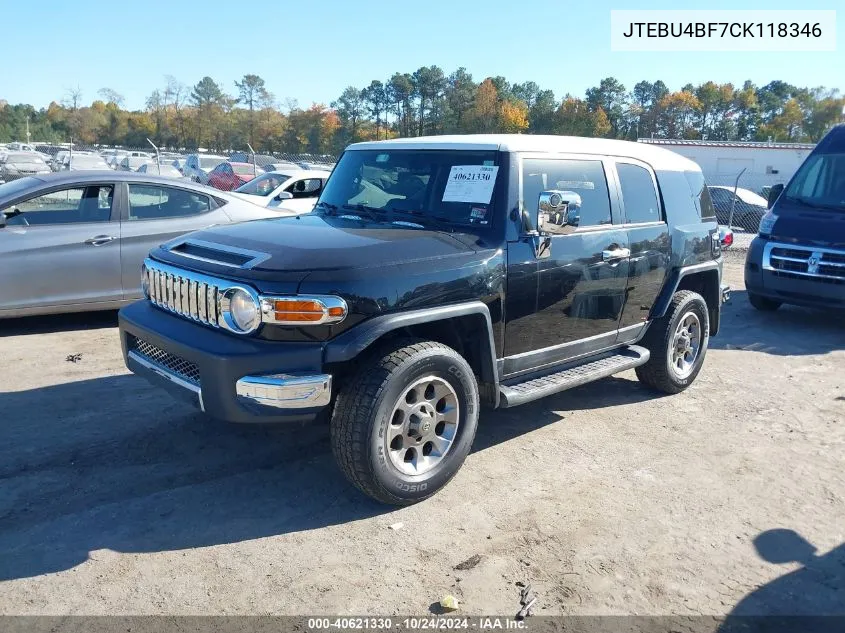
x: 671, y: 286
x: 351, y: 343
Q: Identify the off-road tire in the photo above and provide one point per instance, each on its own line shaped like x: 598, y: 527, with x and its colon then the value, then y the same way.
x: 657, y: 372
x: 363, y: 409
x: 763, y: 304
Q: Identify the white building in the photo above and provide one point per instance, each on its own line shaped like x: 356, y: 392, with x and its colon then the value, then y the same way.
x: 765, y: 164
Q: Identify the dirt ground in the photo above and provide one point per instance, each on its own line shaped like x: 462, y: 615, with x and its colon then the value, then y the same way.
x: 609, y: 499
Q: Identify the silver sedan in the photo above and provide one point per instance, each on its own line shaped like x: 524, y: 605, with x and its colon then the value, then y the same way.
x: 75, y: 241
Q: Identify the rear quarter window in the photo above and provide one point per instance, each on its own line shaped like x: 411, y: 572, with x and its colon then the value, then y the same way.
x: 701, y: 195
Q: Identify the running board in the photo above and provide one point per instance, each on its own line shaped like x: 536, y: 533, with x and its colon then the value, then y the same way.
x: 572, y: 375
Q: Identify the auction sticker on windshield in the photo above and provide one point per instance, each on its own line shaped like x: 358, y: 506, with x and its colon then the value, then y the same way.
x: 470, y: 183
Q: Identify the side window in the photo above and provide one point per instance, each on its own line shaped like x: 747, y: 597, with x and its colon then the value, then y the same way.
x: 638, y: 194
x: 67, y: 206
x: 308, y: 188
x: 584, y: 177
x: 151, y: 202
x: 701, y: 194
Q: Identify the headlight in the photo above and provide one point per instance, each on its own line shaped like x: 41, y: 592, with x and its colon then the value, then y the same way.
x: 240, y: 310
x: 767, y: 223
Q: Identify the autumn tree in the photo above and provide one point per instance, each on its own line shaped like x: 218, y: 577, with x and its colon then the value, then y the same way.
x: 484, y: 114
x: 677, y: 114
x: 513, y: 117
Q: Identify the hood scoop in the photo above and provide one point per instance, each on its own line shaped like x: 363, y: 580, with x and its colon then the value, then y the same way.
x: 219, y: 254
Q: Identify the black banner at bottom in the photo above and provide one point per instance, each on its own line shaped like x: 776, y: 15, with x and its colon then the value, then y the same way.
x: 455, y: 622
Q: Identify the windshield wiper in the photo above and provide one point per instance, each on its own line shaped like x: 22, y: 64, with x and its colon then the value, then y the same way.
x: 421, y: 217
x: 374, y: 213
x: 327, y: 206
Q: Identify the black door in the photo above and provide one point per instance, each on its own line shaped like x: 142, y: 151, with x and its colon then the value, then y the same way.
x: 648, y: 236
x: 580, y: 286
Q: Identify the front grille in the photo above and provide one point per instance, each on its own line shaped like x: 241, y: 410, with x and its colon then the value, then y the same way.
x: 805, y: 262
x: 184, y: 369
x: 184, y: 293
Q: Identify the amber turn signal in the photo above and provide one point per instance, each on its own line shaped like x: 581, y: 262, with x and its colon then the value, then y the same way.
x: 303, y: 310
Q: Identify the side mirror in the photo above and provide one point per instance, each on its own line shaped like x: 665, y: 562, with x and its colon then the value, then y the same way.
x: 559, y: 212
x: 284, y: 195
x: 774, y: 194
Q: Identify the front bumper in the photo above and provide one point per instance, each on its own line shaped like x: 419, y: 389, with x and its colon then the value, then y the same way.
x: 797, y: 287
x: 233, y: 378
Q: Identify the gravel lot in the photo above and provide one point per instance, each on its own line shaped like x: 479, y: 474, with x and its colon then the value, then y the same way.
x: 609, y: 499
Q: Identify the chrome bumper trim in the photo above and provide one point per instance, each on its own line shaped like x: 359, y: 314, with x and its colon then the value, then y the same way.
x: 286, y: 391
x: 165, y: 373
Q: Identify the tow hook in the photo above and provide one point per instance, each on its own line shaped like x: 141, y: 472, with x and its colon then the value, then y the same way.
x: 726, y: 293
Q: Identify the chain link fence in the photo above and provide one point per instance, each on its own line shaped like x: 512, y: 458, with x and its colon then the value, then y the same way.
x: 741, y: 201
x: 36, y: 158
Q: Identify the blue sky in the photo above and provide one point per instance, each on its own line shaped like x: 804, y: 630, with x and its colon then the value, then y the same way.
x: 310, y: 51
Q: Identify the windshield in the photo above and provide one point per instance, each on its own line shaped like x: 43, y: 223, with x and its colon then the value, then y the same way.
x: 820, y: 182
x: 421, y: 187
x: 206, y: 162
x: 263, y: 185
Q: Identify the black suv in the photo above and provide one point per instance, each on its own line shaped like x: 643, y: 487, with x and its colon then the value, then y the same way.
x: 799, y: 255
x: 436, y: 276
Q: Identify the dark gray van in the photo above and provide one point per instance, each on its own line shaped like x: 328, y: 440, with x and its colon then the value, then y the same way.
x: 798, y: 257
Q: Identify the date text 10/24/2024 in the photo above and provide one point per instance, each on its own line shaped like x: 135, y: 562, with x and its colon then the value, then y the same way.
x: 492, y: 623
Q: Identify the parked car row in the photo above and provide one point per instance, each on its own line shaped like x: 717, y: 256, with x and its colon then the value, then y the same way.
x: 102, y: 224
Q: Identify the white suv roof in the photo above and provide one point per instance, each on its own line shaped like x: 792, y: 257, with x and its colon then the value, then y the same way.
x: 657, y: 157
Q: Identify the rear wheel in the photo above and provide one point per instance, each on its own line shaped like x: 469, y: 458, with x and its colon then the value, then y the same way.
x: 678, y: 343
x: 762, y: 303
x: 405, y: 422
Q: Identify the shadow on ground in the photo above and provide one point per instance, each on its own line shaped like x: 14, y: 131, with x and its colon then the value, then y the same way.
x: 788, y: 331
x: 800, y: 600
x: 112, y: 463
x: 58, y: 323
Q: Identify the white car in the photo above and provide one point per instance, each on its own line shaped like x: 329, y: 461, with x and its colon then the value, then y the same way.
x: 199, y: 166
x: 166, y: 169
x: 288, y: 192
x: 84, y: 162
x: 20, y: 147
x: 134, y: 160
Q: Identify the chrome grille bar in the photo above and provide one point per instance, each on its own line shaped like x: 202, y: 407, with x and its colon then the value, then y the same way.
x: 805, y: 261
x: 185, y: 293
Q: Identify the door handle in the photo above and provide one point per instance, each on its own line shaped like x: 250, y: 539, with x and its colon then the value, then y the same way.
x: 617, y: 253
x: 99, y: 240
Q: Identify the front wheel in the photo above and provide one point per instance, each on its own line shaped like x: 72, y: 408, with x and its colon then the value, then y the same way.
x: 405, y: 422
x: 678, y: 343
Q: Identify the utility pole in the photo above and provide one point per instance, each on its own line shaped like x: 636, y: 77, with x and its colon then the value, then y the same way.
x: 27, y: 129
